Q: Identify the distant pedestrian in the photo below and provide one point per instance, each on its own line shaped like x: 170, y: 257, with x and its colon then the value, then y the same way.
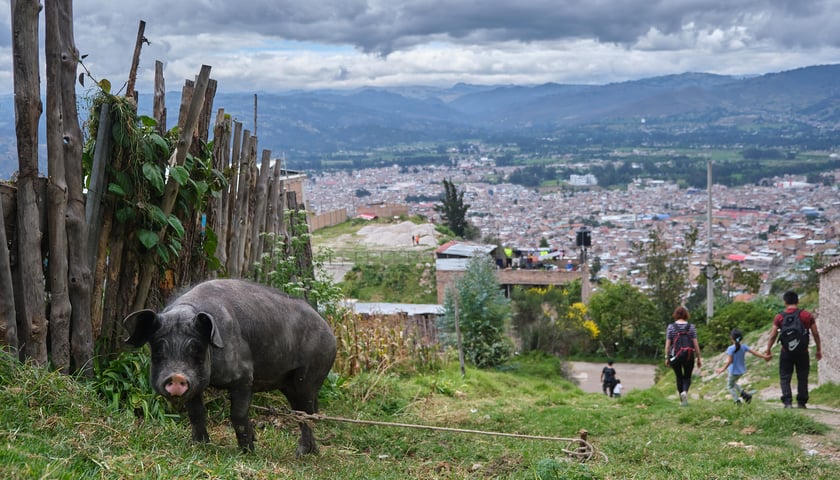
x: 608, y: 378
x: 794, y: 356
x: 736, y: 363
x: 617, y: 389
x: 681, y: 351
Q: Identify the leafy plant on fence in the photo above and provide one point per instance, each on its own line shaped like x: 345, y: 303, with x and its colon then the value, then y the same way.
x: 281, y: 267
x: 141, y: 166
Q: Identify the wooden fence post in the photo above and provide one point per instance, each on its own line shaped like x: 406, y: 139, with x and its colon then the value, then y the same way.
x: 135, y: 62
x: 239, y: 221
x: 271, y: 211
x: 100, y: 223
x: 27, y: 112
x: 8, y: 320
x: 170, y: 193
x: 258, y: 224
x: 159, y: 107
x: 79, y: 281
x: 218, y: 218
x: 59, y: 319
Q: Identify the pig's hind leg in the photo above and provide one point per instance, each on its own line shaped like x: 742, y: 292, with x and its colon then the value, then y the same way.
x: 303, y: 397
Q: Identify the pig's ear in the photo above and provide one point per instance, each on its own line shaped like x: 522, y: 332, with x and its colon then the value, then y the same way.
x: 207, y: 325
x: 141, y: 325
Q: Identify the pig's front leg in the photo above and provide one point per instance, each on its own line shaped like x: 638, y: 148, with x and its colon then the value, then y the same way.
x: 198, y: 418
x: 240, y: 403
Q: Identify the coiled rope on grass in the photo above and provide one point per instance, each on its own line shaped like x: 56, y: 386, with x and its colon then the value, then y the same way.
x: 579, y: 448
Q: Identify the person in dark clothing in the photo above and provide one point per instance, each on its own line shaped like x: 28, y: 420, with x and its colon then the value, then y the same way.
x: 608, y: 378
x: 681, y: 351
x: 798, y: 360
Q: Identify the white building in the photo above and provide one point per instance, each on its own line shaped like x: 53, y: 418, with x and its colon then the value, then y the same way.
x: 583, y: 180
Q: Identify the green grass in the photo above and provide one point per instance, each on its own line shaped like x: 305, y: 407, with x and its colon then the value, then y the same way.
x: 52, y: 426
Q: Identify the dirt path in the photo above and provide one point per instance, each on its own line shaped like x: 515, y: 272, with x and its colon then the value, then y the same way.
x: 636, y: 376
x: 633, y: 376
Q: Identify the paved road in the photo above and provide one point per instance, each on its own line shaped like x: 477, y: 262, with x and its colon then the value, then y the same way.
x: 632, y: 375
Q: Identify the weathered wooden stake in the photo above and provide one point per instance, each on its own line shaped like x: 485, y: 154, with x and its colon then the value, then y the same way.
x: 33, y: 324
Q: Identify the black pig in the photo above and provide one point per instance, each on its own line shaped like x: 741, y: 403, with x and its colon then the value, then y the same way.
x: 241, y: 337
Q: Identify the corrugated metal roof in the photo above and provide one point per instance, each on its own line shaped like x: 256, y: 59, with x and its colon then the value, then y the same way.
x: 465, y: 249
x: 396, y: 308
x: 451, y: 264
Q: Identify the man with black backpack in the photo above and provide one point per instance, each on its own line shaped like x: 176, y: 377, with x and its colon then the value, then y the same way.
x: 792, y: 327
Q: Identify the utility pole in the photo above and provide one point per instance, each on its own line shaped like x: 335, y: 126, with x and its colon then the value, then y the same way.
x: 583, y: 238
x: 710, y: 270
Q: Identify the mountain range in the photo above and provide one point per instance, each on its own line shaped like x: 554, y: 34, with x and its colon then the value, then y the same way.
x: 797, y: 103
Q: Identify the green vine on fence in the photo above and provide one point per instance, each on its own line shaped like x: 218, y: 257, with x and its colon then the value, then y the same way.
x: 139, y: 169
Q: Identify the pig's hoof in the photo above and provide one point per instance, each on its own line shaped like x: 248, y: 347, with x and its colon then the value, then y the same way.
x: 306, y: 450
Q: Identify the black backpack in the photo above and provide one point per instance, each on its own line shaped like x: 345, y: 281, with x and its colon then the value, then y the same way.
x: 682, y: 348
x: 792, y: 334
x: 609, y: 375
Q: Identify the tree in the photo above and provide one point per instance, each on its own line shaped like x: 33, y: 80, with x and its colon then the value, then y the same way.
x: 666, y: 269
x: 552, y: 320
x: 453, y: 210
x: 627, y: 320
x: 482, y: 310
x: 595, y: 268
x: 747, y: 317
x: 741, y: 279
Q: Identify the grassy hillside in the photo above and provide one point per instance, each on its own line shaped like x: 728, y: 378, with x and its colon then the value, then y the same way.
x: 55, y: 427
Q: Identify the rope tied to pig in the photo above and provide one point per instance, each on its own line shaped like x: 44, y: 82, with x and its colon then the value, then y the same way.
x: 579, y: 449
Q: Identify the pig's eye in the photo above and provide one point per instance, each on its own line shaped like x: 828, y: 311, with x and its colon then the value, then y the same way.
x: 193, y: 349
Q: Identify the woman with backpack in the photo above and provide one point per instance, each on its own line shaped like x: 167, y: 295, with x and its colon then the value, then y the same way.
x: 736, y: 362
x: 681, y: 351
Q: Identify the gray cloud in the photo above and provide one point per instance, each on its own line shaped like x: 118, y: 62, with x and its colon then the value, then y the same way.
x: 263, y: 44
x: 384, y: 26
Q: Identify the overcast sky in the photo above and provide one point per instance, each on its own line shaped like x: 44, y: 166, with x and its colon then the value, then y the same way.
x: 265, y: 45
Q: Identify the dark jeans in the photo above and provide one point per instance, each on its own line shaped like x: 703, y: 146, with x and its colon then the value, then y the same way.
x: 608, y: 387
x: 683, y: 370
x: 789, y: 362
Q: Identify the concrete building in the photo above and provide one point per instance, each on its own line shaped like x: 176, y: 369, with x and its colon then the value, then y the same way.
x: 451, y: 261
x: 828, y: 322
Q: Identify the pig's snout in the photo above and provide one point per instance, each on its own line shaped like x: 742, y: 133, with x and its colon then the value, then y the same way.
x: 177, y: 385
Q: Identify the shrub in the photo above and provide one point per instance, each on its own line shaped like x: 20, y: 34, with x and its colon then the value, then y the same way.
x: 477, y: 303
x: 748, y: 317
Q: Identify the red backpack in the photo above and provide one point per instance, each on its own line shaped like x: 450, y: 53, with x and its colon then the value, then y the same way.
x: 682, y: 348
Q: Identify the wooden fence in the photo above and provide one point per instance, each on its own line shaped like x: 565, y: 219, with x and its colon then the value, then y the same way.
x: 71, y: 265
x: 327, y: 219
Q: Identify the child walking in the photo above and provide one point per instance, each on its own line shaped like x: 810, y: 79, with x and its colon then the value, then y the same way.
x: 736, y: 362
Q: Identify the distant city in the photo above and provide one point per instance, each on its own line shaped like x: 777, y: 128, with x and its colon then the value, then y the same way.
x: 768, y: 228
